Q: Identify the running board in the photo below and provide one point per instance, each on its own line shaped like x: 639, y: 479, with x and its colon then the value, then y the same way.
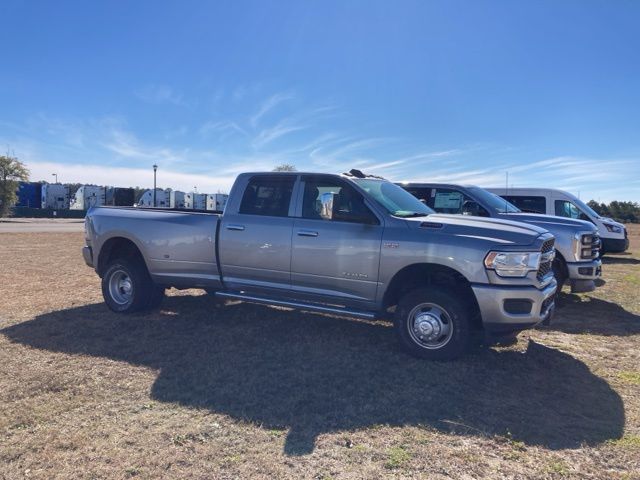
x: 297, y: 305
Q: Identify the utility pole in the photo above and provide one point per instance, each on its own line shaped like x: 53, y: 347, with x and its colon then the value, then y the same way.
x: 155, y: 169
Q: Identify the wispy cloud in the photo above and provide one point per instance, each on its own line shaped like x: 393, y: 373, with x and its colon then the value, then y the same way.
x: 161, y: 94
x: 269, y: 104
x: 280, y: 129
x: 127, y: 145
x: 224, y: 128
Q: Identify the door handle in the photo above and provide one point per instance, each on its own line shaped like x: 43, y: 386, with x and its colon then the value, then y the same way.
x: 307, y: 233
x: 235, y: 227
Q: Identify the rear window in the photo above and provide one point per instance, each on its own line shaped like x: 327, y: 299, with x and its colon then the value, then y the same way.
x: 268, y: 195
x: 528, y: 204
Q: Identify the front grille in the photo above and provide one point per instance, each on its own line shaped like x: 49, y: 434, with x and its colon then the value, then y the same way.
x: 543, y: 270
x: 547, y: 246
x: 545, y: 266
x: 546, y: 304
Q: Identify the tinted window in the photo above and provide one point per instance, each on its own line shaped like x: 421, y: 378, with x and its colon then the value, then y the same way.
x: 347, y: 204
x: 392, y: 198
x: 567, y: 209
x: 493, y: 201
x: 266, y: 195
x: 528, y: 204
x: 421, y: 193
x: 448, y: 200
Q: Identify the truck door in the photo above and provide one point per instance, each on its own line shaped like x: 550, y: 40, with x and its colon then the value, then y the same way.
x: 255, y: 236
x: 336, y: 242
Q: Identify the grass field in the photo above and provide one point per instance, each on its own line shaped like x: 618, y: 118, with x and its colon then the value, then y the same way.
x: 196, y: 390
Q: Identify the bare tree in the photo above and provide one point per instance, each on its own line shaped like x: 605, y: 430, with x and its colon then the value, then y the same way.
x: 12, y: 171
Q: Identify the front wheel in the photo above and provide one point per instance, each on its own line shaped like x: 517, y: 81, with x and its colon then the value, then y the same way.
x: 432, y: 324
x: 127, y: 287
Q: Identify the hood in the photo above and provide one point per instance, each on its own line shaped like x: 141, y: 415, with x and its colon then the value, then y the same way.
x: 549, y: 221
x: 493, y: 230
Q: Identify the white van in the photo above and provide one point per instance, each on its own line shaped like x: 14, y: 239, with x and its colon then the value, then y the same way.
x: 563, y: 204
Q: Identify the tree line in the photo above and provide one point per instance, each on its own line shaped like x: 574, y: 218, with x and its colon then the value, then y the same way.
x: 626, y: 212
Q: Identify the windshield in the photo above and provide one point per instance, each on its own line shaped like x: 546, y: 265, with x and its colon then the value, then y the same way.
x: 393, y: 199
x: 585, y: 208
x: 498, y: 204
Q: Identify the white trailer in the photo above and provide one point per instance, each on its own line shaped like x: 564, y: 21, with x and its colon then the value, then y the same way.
x: 195, y: 201
x: 199, y: 201
x: 162, y: 198
x: 177, y: 199
x: 216, y: 201
x: 88, y: 196
x: 55, y: 196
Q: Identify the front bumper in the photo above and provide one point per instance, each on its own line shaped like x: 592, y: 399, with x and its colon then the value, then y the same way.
x: 582, y: 275
x: 497, y: 306
x: 87, y: 254
x: 615, y: 245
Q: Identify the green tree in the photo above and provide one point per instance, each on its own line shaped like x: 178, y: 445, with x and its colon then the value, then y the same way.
x: 621, y: 211
x: 598, y: 208
x: 12, y: 171
x: 285, y: 167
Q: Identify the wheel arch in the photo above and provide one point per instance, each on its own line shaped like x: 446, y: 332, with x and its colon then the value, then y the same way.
x: 431, y: 274
x: 117, y: 247
x: 563, y: 264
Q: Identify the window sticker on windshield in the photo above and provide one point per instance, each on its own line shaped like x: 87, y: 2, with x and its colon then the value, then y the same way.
x: 448, y: 200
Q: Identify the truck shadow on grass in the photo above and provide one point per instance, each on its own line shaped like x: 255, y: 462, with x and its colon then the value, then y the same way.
x: 313, y: 374
x: 593, y: 316
x: 620, y: 260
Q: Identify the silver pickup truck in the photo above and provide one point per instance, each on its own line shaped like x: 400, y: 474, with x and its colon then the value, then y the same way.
x: 346, y: 244
x: 577, y: 242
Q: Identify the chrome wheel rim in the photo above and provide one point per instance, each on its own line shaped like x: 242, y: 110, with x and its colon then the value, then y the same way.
x: 120, y: 287
x: 430, y: 326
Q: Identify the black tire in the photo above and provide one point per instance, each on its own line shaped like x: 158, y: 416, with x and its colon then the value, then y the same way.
x: 442, y: 309
x: 127, y: 287
x: 560, y: 271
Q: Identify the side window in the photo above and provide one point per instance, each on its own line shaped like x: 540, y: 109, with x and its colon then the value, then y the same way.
x: 422, y: 193
x: 565, y: 208
x: 528, y: 204
x: 268, y: 195
x: 326, y: 199
x: 447, y: 200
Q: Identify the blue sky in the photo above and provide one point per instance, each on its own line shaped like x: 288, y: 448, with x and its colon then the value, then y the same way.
x: 412, y: 90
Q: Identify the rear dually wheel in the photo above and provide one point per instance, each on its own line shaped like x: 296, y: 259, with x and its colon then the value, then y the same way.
x: 127, y: 287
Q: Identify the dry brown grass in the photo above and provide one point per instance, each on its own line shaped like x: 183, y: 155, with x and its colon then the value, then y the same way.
x: 198, y: 391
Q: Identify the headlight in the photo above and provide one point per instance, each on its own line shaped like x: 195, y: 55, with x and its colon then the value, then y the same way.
x: 584, y: 246
x: 613, y: 228
x: 512, y: 264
